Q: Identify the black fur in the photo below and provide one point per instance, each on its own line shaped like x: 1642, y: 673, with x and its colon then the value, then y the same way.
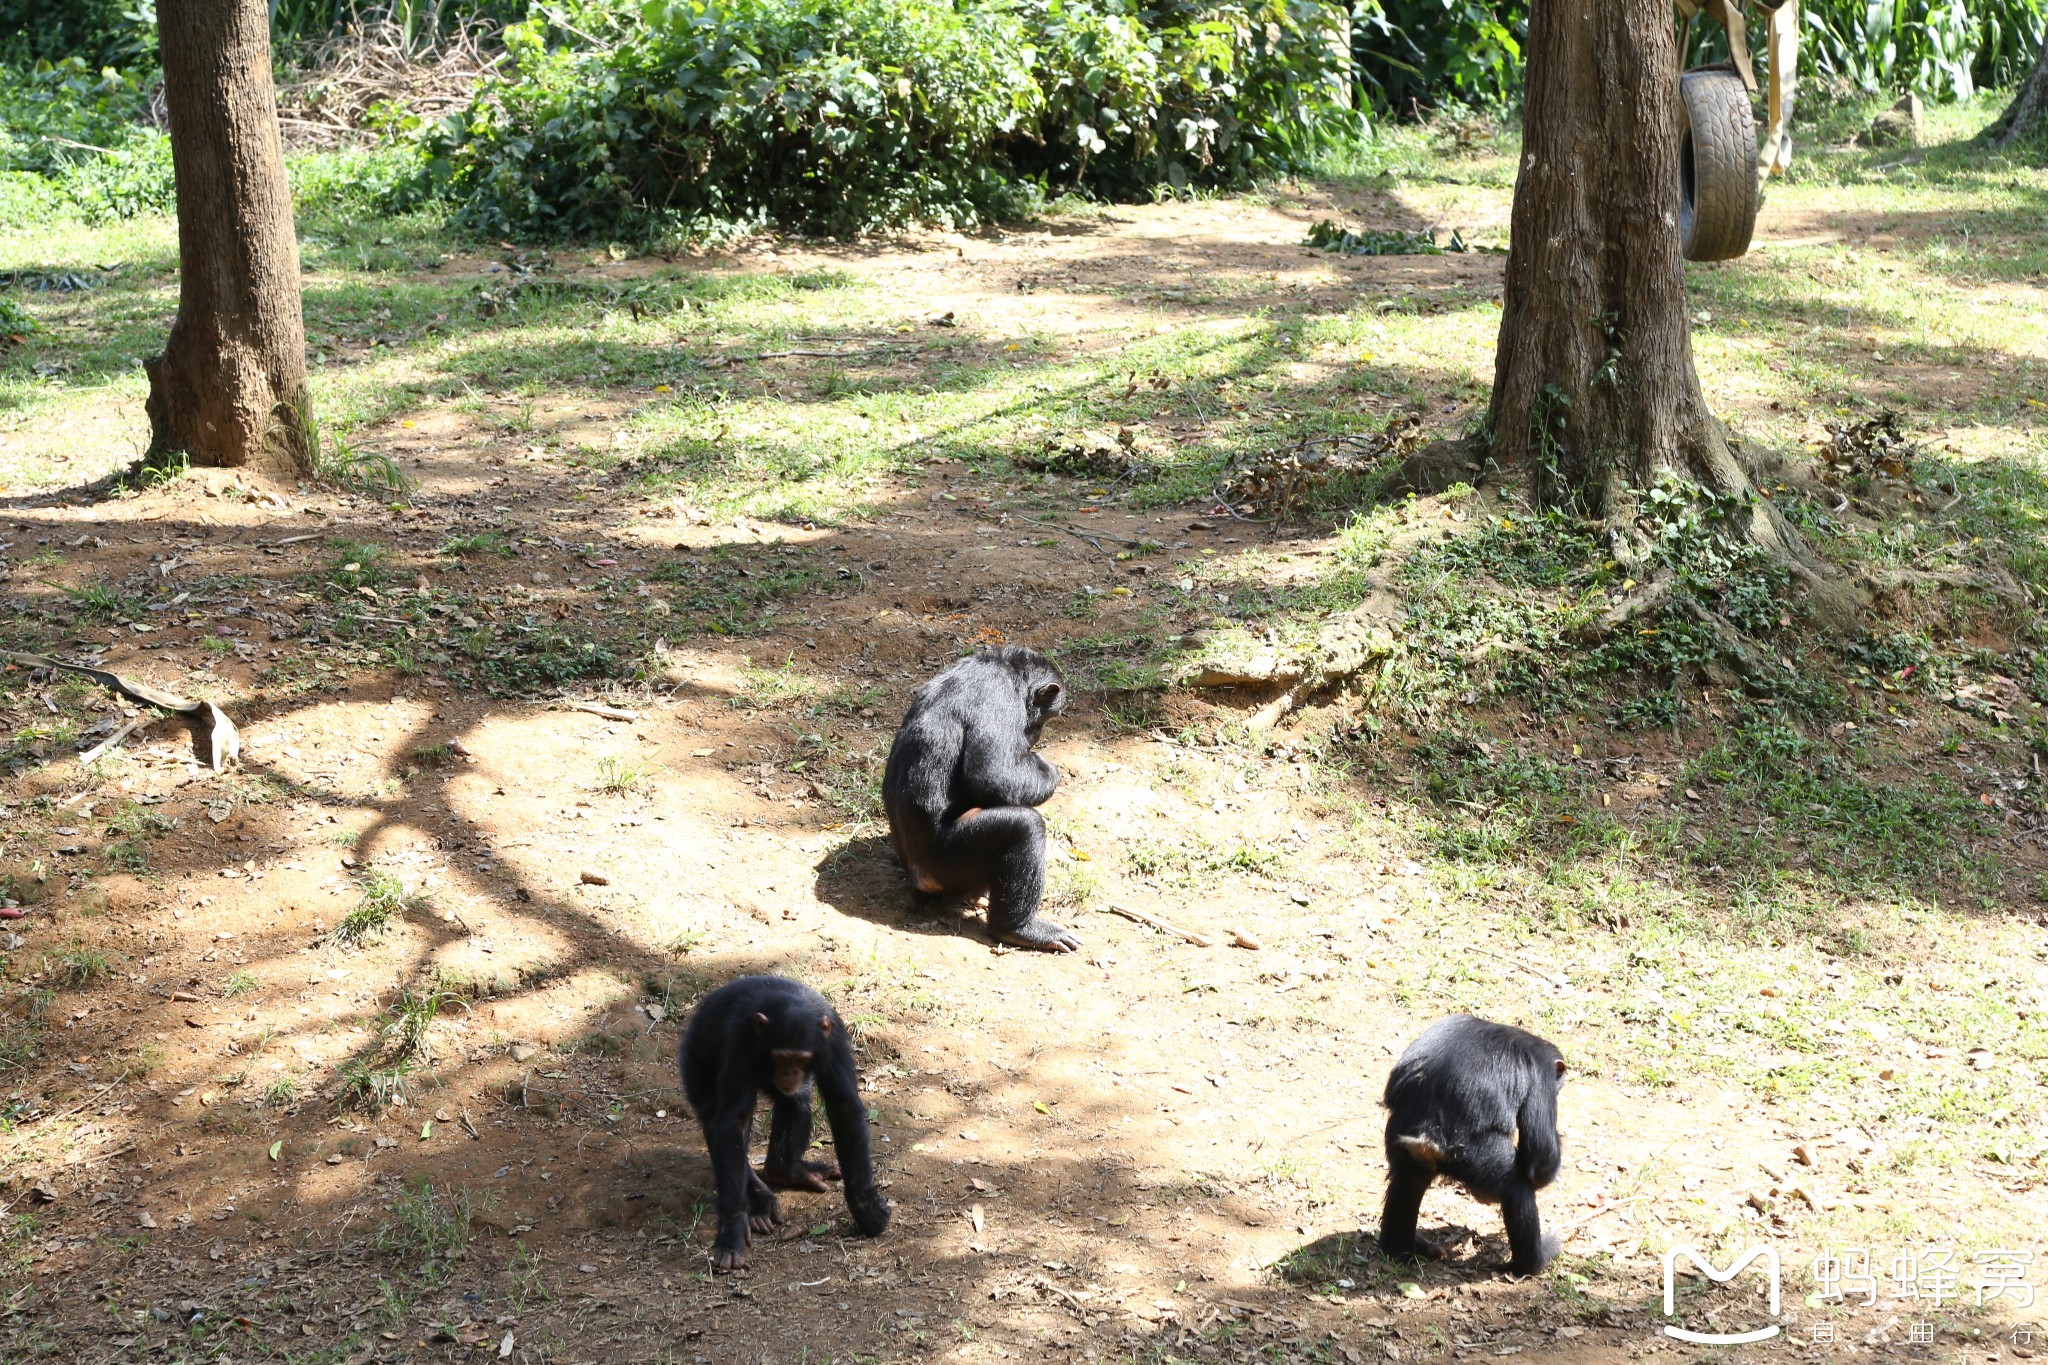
x: 962, y: 786
x: 728, y: 1058
x: 1475, y: 1102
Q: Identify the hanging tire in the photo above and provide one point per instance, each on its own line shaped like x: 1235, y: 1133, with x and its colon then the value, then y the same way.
x: 1716, y: 166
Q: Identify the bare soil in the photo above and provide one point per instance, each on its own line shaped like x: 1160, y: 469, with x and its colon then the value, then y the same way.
x: 1102, y: 1156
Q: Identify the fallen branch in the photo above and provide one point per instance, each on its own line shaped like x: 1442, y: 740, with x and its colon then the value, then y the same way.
x: 93, y: 755
x: 225, y: 740
x: 598, y: 709
x: 722, y: 361
x: 1167, y: 926
x: 1124, y: 541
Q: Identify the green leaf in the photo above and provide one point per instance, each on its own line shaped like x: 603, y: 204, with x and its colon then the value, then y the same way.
x: 275, y: 1148
x: 1041, y: 1106
x: 426, y: 1130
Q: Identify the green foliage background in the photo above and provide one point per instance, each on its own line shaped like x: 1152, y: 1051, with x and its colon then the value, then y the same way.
x: 841, y: 116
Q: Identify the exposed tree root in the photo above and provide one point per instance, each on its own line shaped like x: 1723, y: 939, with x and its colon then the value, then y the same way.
x: 1999, y: 585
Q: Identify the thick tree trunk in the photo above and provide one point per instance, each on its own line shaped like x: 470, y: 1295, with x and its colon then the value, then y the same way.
x: 1594, y: 392
x: 230, y: 387
x: 2027, y: 116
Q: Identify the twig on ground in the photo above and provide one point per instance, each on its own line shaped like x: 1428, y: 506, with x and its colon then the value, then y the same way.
x: 1124, y: 541
x: 1167, y: 926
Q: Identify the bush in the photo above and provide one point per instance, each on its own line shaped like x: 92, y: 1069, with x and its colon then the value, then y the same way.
x: 847, y: 116
x: 1411, y: 53
x: 54, y: 116
x: 1945, y: 49
x: 101, y: 32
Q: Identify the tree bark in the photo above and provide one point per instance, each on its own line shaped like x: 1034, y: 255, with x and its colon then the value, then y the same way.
x: 2027, y: 116
x: 230, y: 387
x: 1595, y: 395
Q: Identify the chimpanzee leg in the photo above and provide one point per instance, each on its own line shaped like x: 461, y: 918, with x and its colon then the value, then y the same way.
x: 1006, y: 844
x: 789, y: 1137
x: 1491, y: 1171
x: 1407, y: 1181
x: 1532, y: 1250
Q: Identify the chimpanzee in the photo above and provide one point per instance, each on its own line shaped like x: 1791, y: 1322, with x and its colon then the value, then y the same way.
x: 1475, y: 1102
x: 961, y: 785
x: 768, y: 1035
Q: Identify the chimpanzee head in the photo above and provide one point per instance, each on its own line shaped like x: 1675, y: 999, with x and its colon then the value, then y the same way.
x: 792, y: 1066
x: 1045, y: 691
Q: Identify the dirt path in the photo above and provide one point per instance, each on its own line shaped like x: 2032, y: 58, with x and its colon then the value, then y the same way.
x: 1098, y: 1157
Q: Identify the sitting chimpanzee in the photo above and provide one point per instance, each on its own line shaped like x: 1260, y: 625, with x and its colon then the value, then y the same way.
x: 961, y: 785
x: 1475, y: 1102
x: 766, y: 1035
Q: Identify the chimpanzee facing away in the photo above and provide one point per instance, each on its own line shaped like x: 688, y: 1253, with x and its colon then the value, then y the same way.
x: 766, y: 1035
x: 1475, y: 1102
x: 962, y: 783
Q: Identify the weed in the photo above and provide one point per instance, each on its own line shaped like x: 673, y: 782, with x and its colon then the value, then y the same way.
x: 1074, y: 884
x: 763, y: 689
x: 76, y: 966
x: 238, y: 983
x: 141, y: 822
x: 431, y: 1226
x: 281, y: 1093
x: 356, y: 564
x: 102, y: 601
x: 408, y: 1023
x: 383, y: 895
x: 361, y: 471
x: 617, y: 776
x: 478, y: 543
x: 371, y: 1087
x: 126, y: 855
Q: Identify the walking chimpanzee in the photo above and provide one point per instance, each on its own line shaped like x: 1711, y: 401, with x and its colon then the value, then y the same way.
x: 1475, y: 1102
x: 962, y: 784
x: 767, y: 1035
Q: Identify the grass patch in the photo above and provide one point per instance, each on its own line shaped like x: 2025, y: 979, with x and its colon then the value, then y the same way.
x: 78, y: 966
x: 383, y: 895
x: 479, y: 545
x: 734, y: 590
x: 430, y: 1227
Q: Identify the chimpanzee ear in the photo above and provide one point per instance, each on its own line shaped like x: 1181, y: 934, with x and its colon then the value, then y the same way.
x: 1560, y: 1068
x: 825, y: 1024
x: 1047, y: 696
x: 760, y: 1022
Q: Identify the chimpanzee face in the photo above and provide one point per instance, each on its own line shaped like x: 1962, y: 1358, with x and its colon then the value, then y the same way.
x: 792, y: 1069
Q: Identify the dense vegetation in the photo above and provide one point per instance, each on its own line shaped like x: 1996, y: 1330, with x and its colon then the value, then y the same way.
x: 643, y: 120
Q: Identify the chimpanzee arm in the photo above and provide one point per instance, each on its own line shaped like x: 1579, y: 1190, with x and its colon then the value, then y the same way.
x: 928, y: 780
x: 839, y: 1086
x: 1001, y: 770
x: 725, y: 1136
x: 1537, y: 1153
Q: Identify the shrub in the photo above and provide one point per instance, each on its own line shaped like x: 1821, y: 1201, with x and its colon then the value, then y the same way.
x: 54, y: 116
x: 843, y: 117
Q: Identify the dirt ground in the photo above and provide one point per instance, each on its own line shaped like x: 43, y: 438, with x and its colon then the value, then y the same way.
x: 1109, y: 1156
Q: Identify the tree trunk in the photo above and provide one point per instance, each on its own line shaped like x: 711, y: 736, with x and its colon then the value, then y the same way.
x: 230, y: 387
x: 1595, y: 395
x: 2027, y: 116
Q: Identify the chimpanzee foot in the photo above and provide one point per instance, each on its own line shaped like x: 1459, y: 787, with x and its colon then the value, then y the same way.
x: 1041, y: 934
x: 808, y: 1175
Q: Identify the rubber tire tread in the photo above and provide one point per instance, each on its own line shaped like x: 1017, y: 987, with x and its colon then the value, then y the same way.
x: 1718, y: 198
